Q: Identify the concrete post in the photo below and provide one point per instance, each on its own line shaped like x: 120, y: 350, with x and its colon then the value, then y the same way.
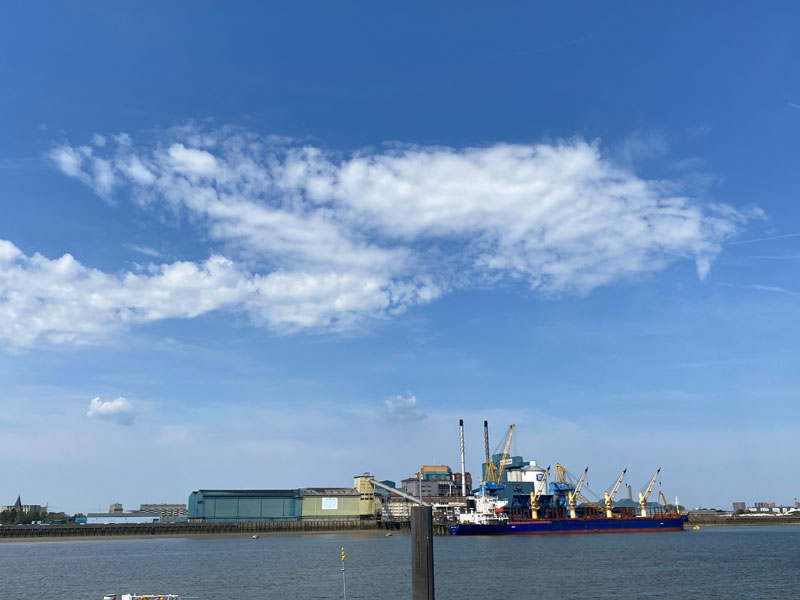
x: 422, y: 553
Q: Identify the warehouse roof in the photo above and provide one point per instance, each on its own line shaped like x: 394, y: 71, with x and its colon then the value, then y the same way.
x: 272, y: 493
x: 329, y: 492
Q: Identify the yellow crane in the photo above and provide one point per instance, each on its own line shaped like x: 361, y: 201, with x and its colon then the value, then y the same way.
x: 561, y: 473
x: 494, y: 474
x: 662, y: 501
x: 537, y: 492
x: 594, y: 505
x: 609, y: 498
x: 644, y: 496
x: 575, y: 494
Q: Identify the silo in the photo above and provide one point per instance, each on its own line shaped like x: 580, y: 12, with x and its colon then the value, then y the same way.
x: 536, y: 475
x: 366, y: 495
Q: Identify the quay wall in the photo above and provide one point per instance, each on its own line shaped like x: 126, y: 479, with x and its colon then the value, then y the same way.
x: 741, y: 520
x: 183, y: 529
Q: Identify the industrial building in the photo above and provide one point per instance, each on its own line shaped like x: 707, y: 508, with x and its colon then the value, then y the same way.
x: 518, y: 479
x: 147, y: 513
x: 340, y: 504
x: 245, y: 505
x: 167, y: 513
x: 436, y: 481
x: 308, y: 504
x: 113, y: 518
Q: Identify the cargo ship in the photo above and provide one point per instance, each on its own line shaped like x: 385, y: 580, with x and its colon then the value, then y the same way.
x: 515, y: 497
x: 490, y: 518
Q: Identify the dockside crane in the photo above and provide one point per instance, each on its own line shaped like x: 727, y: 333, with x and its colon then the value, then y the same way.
x: 494, y: 473
x: 537, y: 493
x: 662, y: 501
x: 575, y: 494
x: 609, y: 498
x: 644, y: 496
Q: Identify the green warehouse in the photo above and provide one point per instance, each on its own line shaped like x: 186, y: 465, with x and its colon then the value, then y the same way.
x: 225, y: 506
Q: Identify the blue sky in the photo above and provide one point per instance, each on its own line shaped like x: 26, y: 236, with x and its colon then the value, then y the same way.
x: 283, y: 245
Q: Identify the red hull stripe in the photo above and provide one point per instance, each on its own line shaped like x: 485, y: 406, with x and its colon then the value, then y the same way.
x: 563, y: 531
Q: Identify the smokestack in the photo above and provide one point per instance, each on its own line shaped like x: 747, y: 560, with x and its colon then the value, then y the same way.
x: 486, y: 441
x: 463, y: 472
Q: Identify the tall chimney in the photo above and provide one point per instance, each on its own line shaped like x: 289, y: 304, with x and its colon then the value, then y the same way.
x: 486, y: 441
x: 463, y: 471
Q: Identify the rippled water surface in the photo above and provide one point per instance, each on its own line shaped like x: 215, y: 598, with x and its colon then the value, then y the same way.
x: 725, y: 563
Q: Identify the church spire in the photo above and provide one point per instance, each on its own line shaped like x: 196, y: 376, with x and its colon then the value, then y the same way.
x: 18, y: 503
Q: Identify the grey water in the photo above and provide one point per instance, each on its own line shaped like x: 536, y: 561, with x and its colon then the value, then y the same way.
x: 726, y: 563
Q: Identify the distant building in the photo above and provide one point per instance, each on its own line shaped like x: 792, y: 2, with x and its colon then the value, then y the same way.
x: 413, y: 485
x: 702, y: 512
x: 115, y: 508
x: 225, y: 506
x: 113, y: 518
x: 467, y: 480
x: 164, y: 510
x: 765, y: 506
x: 382, y: 492
x: 739, y: 506
x: 436, y: 472
x: 436, y: 481
x: 25, y: 508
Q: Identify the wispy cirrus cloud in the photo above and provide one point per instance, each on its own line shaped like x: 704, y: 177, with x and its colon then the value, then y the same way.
x: 141, y: 249
x: 314, y: 239
x: 403, y: 408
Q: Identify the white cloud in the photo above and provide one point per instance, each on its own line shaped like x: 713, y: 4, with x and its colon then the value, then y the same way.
x: 191, y: 161
x: 146, y: 250
x: 316, y: 240
x: 62, y: 301
x: 119, y: 410
x: 68, y: 159
x: 403, y: 408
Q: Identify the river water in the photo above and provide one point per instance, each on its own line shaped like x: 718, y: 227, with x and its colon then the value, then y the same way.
x: 714, y: 563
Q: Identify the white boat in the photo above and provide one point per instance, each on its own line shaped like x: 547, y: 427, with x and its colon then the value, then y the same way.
x: 488, y: 510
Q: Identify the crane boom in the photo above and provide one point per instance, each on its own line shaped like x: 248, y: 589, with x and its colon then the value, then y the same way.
x: 504, y: 458
x: 536, y: 494
x: 662, y: 500
x: 580, y: 481
x: 609, y: 498
x: 590, y: 503
x: 644, y: 496
x: 574, y: 494
x: 619, y: 482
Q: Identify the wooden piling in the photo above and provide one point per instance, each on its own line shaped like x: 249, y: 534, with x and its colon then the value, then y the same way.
x: 422, y: 553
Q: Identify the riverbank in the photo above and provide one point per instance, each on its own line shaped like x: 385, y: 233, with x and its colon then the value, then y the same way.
x: 150, y: 530
x: 737, y: 521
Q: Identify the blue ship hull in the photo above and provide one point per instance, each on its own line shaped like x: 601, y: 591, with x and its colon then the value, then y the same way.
x: 598, y: 525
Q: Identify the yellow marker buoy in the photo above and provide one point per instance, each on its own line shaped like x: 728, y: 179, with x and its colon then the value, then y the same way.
x: 255, y: 537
